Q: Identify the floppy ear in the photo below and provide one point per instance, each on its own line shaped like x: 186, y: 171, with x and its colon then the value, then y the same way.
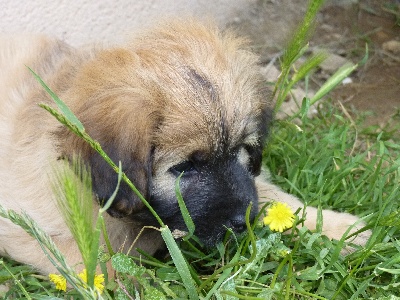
x: 137, y: 167
x: 124, y: 136
x: 104, y: 179
x: 121, y: 113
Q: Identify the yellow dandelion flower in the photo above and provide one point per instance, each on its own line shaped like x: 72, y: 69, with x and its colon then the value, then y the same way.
x: 279, y: 217
x: 59, y: 281
x: 98, y: 280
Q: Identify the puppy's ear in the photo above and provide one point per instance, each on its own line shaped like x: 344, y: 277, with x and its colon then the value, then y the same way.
x: 125, y: 136
x: 117, y: 109
x: 104, y: 178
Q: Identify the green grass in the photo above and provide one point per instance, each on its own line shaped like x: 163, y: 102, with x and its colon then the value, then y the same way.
x: 331, y: 161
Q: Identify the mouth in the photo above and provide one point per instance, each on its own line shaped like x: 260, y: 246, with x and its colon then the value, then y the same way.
x: 210, y: 236
x: 213, y: 240
x: 212, y: 218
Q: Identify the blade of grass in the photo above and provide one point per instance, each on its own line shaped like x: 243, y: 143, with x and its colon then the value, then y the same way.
x: 184, y: 211
x: 237, y: 263
x: 73, y: 190
x: 61, y: 105
x: 297, y: 46
x: 97, y: 147
x: 338, y: 77
x: 23, y: 290
x: 49, y: 248
x: 180, y: 263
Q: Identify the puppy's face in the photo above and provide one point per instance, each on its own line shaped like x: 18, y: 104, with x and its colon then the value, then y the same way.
x: 217, y: 188
x: 218, y: 151
x: 215, y: 143
x: 184, y: 100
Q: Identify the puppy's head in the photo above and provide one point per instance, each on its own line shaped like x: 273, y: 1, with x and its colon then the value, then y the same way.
x: 181, y: 99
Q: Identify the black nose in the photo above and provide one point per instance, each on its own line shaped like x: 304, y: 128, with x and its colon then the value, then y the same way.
x: 238, y: 225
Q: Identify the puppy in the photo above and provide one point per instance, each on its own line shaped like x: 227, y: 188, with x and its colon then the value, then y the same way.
x: 181, y: 97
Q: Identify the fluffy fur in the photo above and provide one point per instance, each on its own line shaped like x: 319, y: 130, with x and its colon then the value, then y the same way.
x: 180, y: 97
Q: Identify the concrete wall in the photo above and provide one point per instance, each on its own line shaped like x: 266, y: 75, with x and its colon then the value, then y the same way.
x: 84, y: 21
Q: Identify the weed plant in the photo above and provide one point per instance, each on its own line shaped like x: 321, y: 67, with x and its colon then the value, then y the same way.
x: 330, y: 161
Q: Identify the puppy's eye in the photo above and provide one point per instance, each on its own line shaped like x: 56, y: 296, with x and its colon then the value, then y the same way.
x: 187, y: 167
x: 255, y: 157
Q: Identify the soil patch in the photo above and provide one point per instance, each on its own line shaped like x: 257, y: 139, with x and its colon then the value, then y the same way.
x: 346, y: 30
x: 343, y: 28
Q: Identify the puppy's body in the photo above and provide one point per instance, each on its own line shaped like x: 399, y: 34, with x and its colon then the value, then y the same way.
x: 180, y: 98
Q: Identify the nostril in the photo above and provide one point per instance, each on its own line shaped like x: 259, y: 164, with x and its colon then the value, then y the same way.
x: 238, y: 225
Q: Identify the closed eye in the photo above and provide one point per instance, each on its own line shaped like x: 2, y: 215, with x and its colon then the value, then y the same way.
x: 253, y: 159
x: 186, y: 167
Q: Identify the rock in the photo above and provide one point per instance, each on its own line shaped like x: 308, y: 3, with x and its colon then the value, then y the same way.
x: 333, y: 62
x: 347, y: 80
x: 392, y: 46
x: 293, y: 102
x: 270, y: 73
x: 3, y: 290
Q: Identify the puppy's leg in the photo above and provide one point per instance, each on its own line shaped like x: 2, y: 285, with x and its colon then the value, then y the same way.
x: 25, y: 249
x: 335, y: 224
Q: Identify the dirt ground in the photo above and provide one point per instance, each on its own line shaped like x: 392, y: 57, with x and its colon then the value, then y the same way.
x: 376, y: 86
x: 343, y: 28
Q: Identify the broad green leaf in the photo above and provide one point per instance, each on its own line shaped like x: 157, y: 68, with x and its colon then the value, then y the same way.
x: 123, y: 264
